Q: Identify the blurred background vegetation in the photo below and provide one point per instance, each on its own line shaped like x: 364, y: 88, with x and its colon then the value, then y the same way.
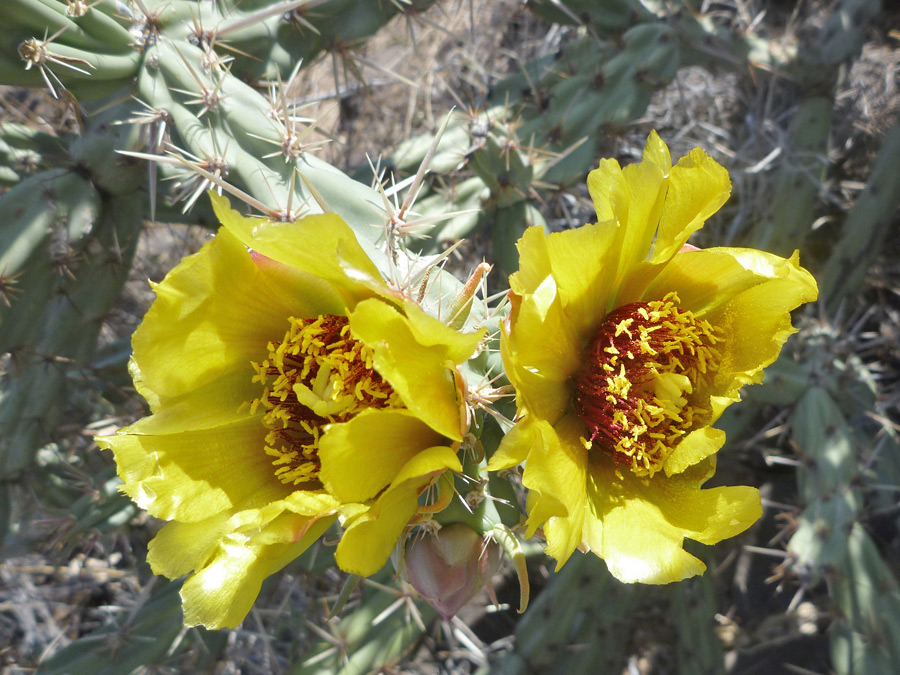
x: 798, y: 100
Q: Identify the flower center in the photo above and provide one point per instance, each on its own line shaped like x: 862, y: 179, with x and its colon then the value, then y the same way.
x: 317, y: 375
x: 638, y: 373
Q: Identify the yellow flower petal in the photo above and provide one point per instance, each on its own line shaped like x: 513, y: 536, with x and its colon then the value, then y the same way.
x: 417, y: 372
x: 369, y: 538
x: 758, y: 320
x: 427, y: 464
x: 515, y: 445
x: 629, y: 202
x: 634, y: 540
x: 217, y: 403
x: 429, y: 332
x: 192, y: 475
x: 362, y: 456
x: 329, y: 249
x: 180, y: 548
x: 231, y: 554
x: 546, y: 349
x: 221, y: 593
x: 584, y: 286
x: 213, y: 314
x: 748, y: 295
x: 638, y: 528
x: 648, y: 194
x: 705, y: 280
x: 697, y: 188
x: 656, y: 152
x: 556, y: 473
x: 609, y: 191
x: 694, y: 448
x: 534, y: 262
x: 370, y: 534
x: 310, y: 503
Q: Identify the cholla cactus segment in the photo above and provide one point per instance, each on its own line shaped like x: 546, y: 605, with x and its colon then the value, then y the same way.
x: 789, y: 211
x: 102, y: 46
x: 866, y: 636
x: 694, y: 605
x: 843, y: 34
x: 384, y: 627
x: 846, y: 467
x: 152, y: 636
x: 605, y: 17
x: 582, y: 605
x: 64, y: 256
x: 25, y: 151
x: 826, y: 484
x: 507, y: 226
x: 43, y: 47
x: 544, y: 126
x: 223, y: 133
x: 54, y: 321
x: 867, y: 226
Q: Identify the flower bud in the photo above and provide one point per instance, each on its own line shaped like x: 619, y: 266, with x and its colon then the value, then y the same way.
x: 450, y: 567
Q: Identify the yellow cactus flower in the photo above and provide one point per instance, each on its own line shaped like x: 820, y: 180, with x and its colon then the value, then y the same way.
x: 624, y: 349
x: 288, y: 386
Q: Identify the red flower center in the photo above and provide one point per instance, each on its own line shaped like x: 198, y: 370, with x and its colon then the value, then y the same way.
x: 317, y: 375
x: 639, y: 371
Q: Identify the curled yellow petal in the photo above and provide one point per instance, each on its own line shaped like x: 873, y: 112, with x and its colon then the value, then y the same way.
x: 370, y: 533
x: 417, y: 371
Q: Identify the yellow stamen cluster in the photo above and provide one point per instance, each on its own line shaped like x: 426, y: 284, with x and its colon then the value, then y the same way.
x: 639, y: 371
x: 316, y: 376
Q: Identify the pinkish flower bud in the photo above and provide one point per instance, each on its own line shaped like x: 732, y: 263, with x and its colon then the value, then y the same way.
x: 450, y: 567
